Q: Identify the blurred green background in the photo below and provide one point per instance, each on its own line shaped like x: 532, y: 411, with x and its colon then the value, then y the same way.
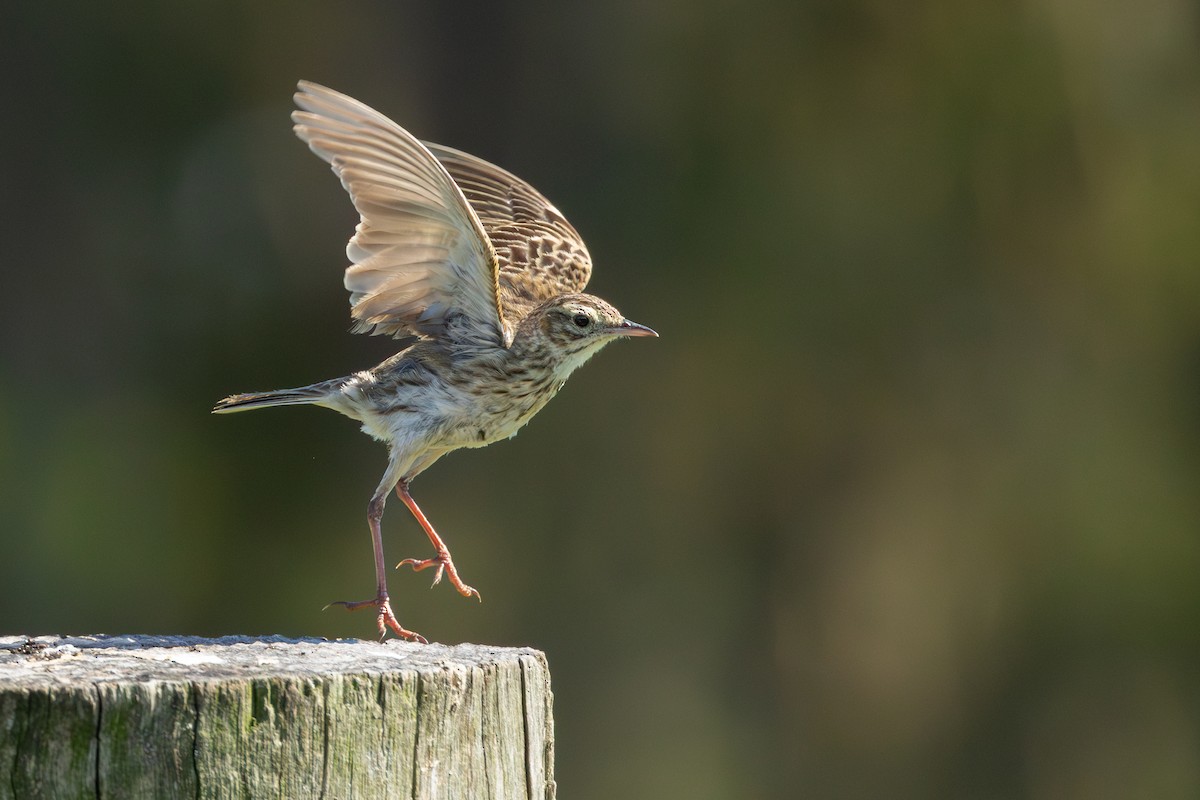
x: 904, y: 503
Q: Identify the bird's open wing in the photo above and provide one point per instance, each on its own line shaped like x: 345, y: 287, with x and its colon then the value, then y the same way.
x: 540, y: 254
x: 422, y: 263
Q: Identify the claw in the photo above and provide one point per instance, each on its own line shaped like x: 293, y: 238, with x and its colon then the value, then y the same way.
x: 419, y: 565
x: 386, y: 618
x: 444, y: 566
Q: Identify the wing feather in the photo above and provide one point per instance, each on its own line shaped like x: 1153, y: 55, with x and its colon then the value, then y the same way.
x: 420, y: 255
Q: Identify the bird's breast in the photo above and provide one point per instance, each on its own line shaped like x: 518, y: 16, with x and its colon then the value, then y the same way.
x: 496, y: 410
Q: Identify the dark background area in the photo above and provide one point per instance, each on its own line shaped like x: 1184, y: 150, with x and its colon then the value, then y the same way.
x: 904, y: 503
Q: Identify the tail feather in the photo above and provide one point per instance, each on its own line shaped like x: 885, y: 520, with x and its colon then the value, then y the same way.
x: 283, y: 397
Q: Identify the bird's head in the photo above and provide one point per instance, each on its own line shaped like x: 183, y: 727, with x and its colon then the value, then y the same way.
x: 573, y: 327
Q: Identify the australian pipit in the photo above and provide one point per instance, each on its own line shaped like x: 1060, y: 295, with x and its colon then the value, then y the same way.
x: 479, y: 275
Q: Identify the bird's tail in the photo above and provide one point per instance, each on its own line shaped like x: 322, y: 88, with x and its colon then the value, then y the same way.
x: 305, y: 395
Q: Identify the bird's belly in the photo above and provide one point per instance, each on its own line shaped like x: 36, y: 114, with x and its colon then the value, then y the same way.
x: 449, y: 417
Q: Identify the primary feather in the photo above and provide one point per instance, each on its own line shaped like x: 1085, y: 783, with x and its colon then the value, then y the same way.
x: 421, y: 259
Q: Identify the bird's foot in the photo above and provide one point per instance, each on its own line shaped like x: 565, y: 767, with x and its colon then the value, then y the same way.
x: 386, y: 618
x: 445, y: 565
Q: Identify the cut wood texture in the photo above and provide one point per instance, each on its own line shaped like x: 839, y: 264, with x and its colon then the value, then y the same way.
x: 269, y: 717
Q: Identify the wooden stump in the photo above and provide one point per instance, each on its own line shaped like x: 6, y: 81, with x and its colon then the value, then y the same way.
x: 247, y: 717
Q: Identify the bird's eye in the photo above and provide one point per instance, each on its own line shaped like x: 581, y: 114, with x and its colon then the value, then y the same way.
x: 582, y: 320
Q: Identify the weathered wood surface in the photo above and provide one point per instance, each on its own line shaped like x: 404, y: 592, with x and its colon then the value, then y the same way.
x: 269, y: 717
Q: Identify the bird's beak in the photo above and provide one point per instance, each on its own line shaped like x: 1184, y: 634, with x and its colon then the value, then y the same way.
x: 630, y: 328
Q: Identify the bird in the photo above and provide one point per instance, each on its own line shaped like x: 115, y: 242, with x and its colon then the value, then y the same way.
x: 481, y: 279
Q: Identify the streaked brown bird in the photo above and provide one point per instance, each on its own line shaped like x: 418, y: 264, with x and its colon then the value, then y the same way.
x: 482, y: 278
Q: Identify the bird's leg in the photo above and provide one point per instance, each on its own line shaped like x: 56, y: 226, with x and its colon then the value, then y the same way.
x: 442, y: 560
x: 386, y: 619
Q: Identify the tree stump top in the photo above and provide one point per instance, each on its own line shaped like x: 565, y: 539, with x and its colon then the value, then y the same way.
x: 29, y: 661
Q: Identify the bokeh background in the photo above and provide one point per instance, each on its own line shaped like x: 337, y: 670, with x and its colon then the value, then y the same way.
x: 904, y: 503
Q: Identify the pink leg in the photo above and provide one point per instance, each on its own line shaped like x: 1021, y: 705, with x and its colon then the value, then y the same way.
x: 385, y: 619
x: 442, y: 560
